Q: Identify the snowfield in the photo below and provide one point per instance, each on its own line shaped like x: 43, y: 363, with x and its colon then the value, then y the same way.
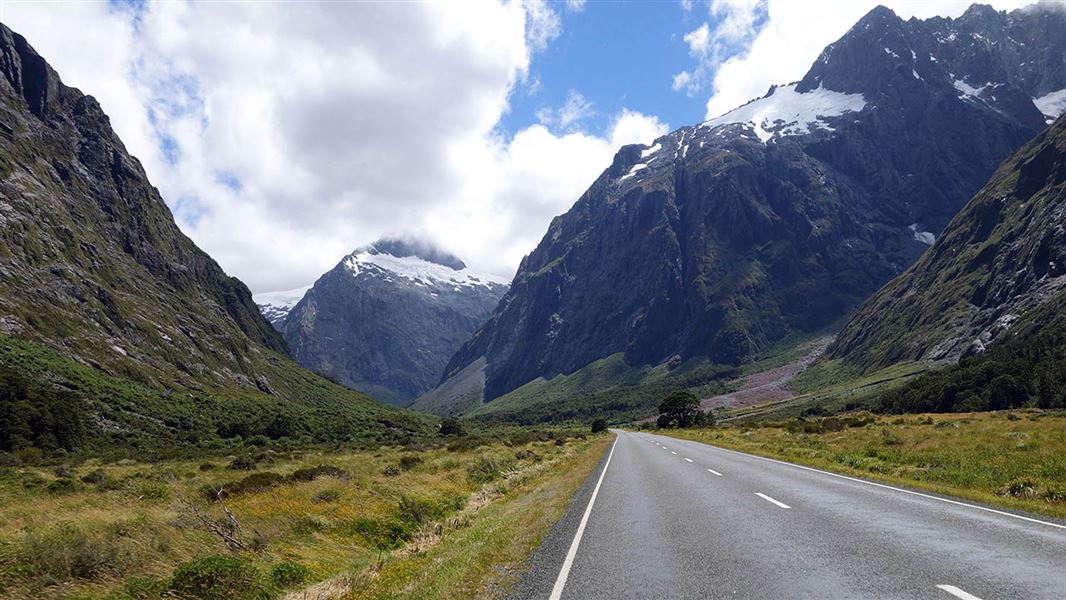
x: 786, y: 112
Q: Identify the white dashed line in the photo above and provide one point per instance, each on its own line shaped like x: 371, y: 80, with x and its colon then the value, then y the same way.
x: 713, y: 472
x: 674, y: 453
x: 772, y: 501
x: 560, y: 582
x: 954, y: 591
x: 689, y: 459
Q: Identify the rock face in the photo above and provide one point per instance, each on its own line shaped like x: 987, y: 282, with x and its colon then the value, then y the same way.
x: 388, y: 317
x: 92, y: 261
x: 999, y: 262
x: 786, y: 213
x: 95, y: 273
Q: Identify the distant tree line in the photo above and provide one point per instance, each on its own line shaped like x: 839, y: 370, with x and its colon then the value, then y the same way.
x: 36, y: 414
x: 1024, y: 371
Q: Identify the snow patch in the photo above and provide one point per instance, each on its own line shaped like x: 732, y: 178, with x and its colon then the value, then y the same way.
x: 283, y: 299
x: 891, y: 53
x: 967, y: 90
x: 1053, y: 104
x: 922, y: 236
x: 633, y: 171
x: 420, y: 271
x: 786, y: 112
x: 649, y: 151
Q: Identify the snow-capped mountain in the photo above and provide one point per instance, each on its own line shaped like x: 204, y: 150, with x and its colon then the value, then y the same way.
x: 386, y: 319
x: 275, y: 306
x: 784, y: 214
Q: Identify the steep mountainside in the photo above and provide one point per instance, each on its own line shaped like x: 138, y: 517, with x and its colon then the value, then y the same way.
x: 388, y: 317
x: 786, y: 213
x: 276, y: 306
x: 1002, y: 258
x: 94, y: 272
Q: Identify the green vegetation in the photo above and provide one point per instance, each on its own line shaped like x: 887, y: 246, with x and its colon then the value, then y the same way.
x: 1015, y: 459
x: 605, y: 387
x: 1026, y: 370
x: 54, y: 404
x: 449, y: 521
x: 682, y: 409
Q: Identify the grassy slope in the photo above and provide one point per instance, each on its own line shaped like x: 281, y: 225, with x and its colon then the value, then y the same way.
x: 606, y: 387
x: 1011, y: 459
x: 134, y: 416
x: 482, y: 507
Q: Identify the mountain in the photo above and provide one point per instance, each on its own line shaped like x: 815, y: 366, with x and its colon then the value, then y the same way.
x: 387, y: 318
x: 778, y: 218
x: 103, y: 297
x: 275, y: 306
x: 999, y: 263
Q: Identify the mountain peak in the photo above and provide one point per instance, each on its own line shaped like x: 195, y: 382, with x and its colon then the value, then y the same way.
x: 408, y: 247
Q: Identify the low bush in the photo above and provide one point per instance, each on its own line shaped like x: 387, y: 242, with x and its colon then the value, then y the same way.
x: 242, y: 463
x: 327, y: 495
x: 218, y: 578
x: 599, y: 425
x: 485, y: 469
x: 65, y: 553
x: 289, y: 574
x: 410, y: 461
x: 96, y: 477
x: 312, y: 473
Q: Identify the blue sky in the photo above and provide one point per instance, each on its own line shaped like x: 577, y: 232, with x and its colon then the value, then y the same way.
x: 616, y: 55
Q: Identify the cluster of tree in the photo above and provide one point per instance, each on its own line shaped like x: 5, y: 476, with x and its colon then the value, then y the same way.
x: 682, y: 409
x: 1023, y: 371
x: 38, y: 415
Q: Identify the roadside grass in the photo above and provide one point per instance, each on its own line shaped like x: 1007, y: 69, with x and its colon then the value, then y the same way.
x: 484, y: 556
x: 128, y: 530
x: 1013, y: 459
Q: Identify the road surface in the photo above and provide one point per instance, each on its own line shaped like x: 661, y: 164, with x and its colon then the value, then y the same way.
x: 667, y: 518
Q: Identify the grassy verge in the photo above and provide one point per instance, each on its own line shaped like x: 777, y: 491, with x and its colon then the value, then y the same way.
x: 1013, y: 459
x: 482, y: 559
x: 363, y: 521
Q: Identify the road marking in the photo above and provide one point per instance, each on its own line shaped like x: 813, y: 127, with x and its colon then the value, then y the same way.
x: 674, y: 453
x: 954, y: 591
x: 772, y: 501
x: 564, y: 572
x: 889, y: 487
x: 689, y: 459
x: 713, y: 472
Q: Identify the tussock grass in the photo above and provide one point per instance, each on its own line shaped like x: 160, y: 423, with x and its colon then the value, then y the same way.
x: 317, y: 520
x: 1015, y: 459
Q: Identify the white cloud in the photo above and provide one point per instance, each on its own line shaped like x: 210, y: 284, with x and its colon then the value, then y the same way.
x: 792, y: 36
x: 575, y: 5
x: 736, y: 22
x: 342, y: 122
x: 569, y: 116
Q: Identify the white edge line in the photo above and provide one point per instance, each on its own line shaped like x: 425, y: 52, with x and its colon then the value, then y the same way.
x: 889, y: 487
x: 713, y: 472
x: 564, y: 572
x: 954, y: 591
x: 771, y: 500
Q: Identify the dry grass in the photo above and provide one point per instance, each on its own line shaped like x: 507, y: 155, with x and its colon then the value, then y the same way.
x: 1015, y: 459
x: 136, y: 516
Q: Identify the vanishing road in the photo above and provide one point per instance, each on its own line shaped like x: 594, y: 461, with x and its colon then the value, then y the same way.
x: 666, y: 518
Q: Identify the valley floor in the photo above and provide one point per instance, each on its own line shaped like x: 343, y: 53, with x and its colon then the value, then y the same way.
x: 431, y: 522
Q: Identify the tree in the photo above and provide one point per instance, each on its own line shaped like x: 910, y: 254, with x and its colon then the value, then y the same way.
x: 681, y: 409
x: 599, y: 425
x: 451, y: 427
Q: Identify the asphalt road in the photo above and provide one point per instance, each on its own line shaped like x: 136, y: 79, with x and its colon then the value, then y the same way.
x: 677, y: 519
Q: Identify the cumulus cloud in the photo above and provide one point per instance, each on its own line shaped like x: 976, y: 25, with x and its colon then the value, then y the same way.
x: 283, y: 135
x: 782, y: 46
x: 569, y: 116
x: 736, y: 22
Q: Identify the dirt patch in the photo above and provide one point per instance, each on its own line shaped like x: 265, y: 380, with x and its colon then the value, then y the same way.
x: 768, y: 385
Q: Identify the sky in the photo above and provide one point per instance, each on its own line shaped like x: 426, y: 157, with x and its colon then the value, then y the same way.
x: 283, y: 135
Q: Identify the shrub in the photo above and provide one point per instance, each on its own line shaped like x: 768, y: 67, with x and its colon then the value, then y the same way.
x: 36, y: 414
x: 390, y: 471
x: 410, y: 461
x: 207, y: 467
x: 451, y: 427
x: 218, y: 578
x: 599, y: 425
x: 381, y: 534
x: 485, y: 470
x: 327, y: 495
x: 61, y: 487
x: 153, y: 491
x: 143, y: 588
x: 96, y: 477
x: 242, y: 463
x: 289, y: 574
x: 312, y: 473
x: 465, y: 444
x: 256, y: 483
x: 65, y: 553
